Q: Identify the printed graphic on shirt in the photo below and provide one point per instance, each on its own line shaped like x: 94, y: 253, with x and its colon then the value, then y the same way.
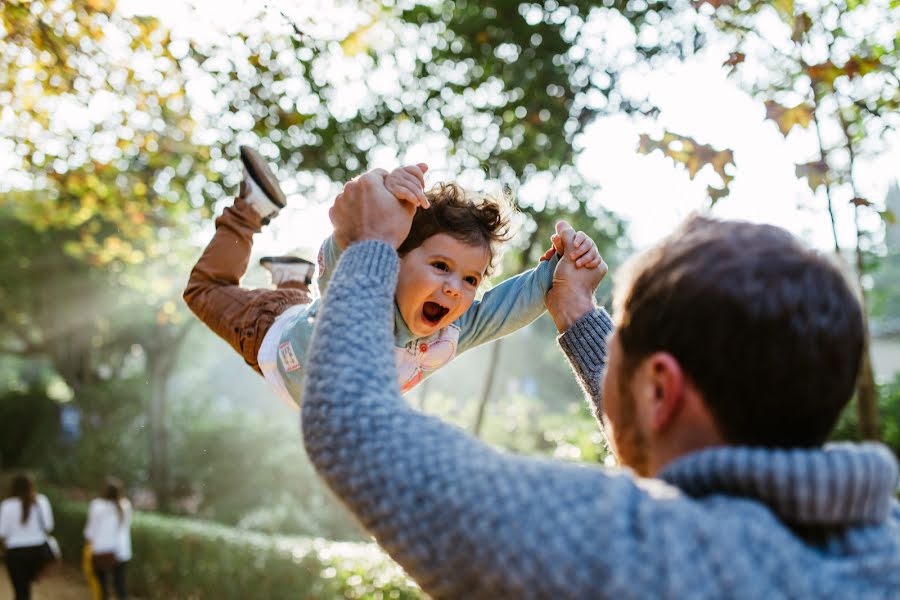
x: 320, y: 259
x: 425, y: 355
x: 288, y: 358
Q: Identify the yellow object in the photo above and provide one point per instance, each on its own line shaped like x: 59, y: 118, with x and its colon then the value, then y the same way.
x: 87, y: 565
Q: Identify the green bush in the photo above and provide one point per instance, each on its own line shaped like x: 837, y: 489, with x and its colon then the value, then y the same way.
x: 888, y: 417
x: 183, y: 558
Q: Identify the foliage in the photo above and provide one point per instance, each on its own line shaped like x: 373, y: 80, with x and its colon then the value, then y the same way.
x: 97, y: 119
x: 111, y: 439
x: 249, y: 469
x: 28, y: 427
x: 889, y: 409
x: 182, y: 558
x: 830, y: 65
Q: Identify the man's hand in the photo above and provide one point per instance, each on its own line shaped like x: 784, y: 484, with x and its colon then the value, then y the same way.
x: 408, y: 183
x: 366, y: 210
x: 572, y: 294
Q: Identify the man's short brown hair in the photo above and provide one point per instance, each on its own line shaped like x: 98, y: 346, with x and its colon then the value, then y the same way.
x: 470, y: 218
x: 767, y: 329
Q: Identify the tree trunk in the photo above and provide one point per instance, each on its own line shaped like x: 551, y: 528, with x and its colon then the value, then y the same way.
x: 159, y: 470
x: 161, y: 361
x: 488, y: 384
x: 867, y: 396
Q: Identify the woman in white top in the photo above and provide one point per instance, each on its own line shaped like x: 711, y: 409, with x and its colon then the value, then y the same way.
x: 108, y: 530
x: 25, y: 521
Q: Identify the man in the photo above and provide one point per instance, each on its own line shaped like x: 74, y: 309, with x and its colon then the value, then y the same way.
x: 736, y: 349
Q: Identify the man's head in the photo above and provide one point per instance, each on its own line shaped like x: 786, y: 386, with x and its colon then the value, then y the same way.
x: 728, y: 332
x: 450, y: 249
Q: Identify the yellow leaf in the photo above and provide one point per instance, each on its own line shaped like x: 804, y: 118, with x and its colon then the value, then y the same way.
x: 105, y: 6
x: 786, y: 118
x: 357, y: 42
x: 785, y: 9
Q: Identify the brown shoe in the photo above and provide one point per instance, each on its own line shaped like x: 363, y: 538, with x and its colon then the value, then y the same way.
x: 262, y: 175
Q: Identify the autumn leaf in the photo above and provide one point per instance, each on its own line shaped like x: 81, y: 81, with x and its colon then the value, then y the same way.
x: 857, y: 66
x: 694, y: 156
x: 104, y: 6
x: 816, y: 173
x: 802, y: 25
x: 786, y: 118
x: 734, y: 59
x: 358, y: 41
x: 785, y: 9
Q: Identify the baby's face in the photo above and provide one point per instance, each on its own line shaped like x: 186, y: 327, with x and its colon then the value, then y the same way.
x: 437, y: 282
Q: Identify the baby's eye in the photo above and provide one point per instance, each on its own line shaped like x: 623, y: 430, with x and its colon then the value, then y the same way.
x: 441, y: 265
x: 472, y: 280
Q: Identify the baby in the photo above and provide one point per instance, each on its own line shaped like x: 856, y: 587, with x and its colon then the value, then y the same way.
x: 450, y: 250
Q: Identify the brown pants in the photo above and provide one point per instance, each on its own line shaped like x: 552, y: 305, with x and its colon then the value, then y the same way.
x: 239, y: 316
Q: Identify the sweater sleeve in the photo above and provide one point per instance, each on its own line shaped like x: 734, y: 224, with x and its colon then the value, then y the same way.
x: 464, y: 520
x: 511, y: 305
x: 584, y: 344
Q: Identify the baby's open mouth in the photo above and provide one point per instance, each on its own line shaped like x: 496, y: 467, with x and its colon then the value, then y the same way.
x: 433, y: 312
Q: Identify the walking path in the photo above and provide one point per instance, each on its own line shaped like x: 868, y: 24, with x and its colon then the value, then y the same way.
x: 67, y: 583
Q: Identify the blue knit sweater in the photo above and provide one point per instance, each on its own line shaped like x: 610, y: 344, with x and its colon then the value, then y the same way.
x: 468, y: 521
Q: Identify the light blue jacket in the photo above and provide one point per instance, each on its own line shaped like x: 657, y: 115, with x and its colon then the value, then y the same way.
x: 502, y: 310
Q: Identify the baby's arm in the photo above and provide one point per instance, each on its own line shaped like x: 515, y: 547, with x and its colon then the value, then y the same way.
x: 521, y: 299
x: 508, y: 307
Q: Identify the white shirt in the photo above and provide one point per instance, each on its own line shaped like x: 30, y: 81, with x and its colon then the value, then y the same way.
x: 16, y: 534
x: 106, y: 531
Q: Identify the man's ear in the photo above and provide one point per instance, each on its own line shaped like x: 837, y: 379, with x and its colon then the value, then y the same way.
x: 667, y: 381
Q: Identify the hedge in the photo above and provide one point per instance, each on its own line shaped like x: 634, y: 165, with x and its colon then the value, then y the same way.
x: 185, y: 558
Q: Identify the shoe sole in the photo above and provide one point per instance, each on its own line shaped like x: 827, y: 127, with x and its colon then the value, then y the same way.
x: 284, y: 260
x: 262, y: 175
x: 289, y: 260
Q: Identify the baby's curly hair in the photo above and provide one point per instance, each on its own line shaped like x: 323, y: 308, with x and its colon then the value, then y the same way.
x: 470, y: 218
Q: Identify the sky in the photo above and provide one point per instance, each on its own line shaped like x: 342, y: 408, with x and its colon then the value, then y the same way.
x: 695, y: 98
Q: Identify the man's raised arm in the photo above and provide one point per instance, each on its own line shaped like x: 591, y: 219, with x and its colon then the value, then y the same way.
x: 463, y: 519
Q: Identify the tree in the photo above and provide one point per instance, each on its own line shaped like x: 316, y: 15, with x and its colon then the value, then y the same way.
x: 98, y: 122
x: 830, y: 67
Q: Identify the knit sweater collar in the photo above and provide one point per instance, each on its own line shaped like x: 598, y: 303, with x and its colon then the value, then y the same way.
x: 839, y: 485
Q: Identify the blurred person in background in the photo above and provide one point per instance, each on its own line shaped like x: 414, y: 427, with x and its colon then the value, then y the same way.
x: 25, y: 520
x: 108, y: 531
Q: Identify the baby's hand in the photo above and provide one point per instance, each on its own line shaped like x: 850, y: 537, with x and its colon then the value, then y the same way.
x: 408, y: 183
x: 584, y: 250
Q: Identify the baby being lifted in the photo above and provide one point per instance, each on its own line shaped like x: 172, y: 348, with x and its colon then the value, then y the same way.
x: 450, y: 250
